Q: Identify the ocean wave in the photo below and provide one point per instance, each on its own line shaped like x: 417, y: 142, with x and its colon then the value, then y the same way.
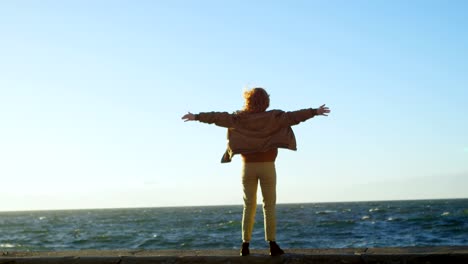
x: 377, y: 210
x: 8, y: 245
x: 325, y: 212
x: 337, y: 223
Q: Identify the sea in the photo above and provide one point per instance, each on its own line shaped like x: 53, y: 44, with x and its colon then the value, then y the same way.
x: 308, y: 225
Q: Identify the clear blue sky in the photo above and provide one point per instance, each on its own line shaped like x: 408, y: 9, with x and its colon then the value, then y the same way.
x: 92, y: 92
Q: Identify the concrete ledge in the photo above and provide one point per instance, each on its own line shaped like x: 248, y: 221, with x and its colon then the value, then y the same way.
x: 426, y: 255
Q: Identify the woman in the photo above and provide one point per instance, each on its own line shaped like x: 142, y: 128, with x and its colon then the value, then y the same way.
x: 256, y: 134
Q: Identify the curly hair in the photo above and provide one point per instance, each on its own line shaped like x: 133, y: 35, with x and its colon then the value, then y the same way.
x: 256, y: 100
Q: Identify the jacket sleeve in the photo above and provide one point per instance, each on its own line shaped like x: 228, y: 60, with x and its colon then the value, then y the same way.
x: 295, y: 117
x: 222, y: 119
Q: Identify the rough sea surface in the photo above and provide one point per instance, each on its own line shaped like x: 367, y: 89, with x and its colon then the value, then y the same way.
x: 315, y: 225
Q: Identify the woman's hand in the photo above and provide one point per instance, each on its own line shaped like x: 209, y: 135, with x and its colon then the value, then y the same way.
x: 188, y: 117
x: 323, y: 110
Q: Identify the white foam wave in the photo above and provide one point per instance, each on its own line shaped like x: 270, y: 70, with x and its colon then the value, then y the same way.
x: 7, y: 245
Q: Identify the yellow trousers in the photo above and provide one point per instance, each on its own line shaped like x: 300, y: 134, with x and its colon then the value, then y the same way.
x: 265, y: 173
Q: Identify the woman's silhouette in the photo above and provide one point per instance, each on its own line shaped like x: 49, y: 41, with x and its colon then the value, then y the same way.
x: 256, y: 134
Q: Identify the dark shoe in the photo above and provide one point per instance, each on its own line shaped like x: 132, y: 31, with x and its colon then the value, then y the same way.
x: 245, y: 249
x: 275, y: 250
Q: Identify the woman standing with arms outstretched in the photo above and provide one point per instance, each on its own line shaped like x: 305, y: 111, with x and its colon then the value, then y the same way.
x: 256, y: 134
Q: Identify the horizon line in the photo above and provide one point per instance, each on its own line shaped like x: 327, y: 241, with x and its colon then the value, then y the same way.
x: 217, y: 205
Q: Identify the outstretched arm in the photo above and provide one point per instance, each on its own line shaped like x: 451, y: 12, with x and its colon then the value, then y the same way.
x: 222, y: 119
x: 295, y: 117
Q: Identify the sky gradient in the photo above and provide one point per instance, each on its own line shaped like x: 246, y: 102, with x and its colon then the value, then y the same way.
x: 92, y: 92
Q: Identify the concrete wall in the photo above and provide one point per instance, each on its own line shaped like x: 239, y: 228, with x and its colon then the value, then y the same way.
x: 427, y: 255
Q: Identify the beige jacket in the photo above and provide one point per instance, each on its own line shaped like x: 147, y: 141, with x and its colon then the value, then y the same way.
x: 257, y: 132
